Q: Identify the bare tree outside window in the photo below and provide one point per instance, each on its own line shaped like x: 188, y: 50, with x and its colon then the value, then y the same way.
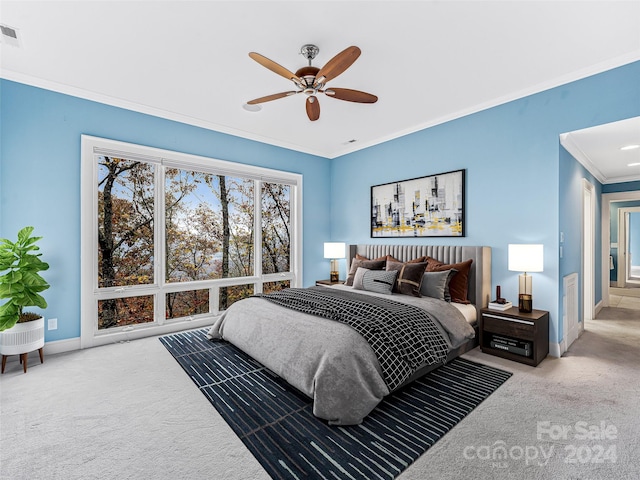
x: 209, y: 234
x: 276, y: 235
x: 125, y: 235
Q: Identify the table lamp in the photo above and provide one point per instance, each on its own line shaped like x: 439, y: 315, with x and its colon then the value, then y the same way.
x: 334, y: 251
x: 525, y: 258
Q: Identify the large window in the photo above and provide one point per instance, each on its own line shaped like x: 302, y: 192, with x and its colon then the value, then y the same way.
x: 170, y: 240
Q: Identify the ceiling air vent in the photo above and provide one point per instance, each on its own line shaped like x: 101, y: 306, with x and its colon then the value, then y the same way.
x: 9, y: 35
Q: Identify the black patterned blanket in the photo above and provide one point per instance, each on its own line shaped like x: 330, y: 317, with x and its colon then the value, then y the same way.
x: 403, y: 337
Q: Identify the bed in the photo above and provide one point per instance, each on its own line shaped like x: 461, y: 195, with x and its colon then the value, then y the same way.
x: 331, y: 361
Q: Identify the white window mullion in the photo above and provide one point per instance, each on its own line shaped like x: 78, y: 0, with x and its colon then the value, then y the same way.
x: 257, y: 236
x: 88, y: 245
x: 159, y: 245
x: 295, y: 199
x: 214, y: 299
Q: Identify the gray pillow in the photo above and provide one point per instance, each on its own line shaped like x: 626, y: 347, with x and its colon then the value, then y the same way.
x: 436, y: 284
x: 379, y: 281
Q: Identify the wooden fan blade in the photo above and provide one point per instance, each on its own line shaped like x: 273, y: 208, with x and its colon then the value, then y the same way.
x: 268, y: 98
x: 274, y: 67
x: 350, y: 95
x: 338, y: 64
x: 313, y: 108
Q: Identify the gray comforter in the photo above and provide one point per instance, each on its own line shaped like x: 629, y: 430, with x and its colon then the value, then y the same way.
x: 327, y: 360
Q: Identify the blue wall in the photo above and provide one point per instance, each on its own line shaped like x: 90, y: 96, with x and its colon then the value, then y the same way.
x: 571, y: 190
x: 40, y: 179
x: 511, y: 153
x: 621, y: 187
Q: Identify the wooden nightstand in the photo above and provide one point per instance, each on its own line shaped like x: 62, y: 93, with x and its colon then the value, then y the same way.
x: 522, y: 337
x: 328, y: 282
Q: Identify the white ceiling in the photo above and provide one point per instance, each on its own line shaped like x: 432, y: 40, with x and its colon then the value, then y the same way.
x: 602, y: 150
x: 427, y: 61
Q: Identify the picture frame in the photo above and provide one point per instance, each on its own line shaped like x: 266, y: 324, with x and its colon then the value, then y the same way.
x: 430, y: 206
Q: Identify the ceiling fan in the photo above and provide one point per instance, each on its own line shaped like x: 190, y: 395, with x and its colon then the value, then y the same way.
x: 312, y: 80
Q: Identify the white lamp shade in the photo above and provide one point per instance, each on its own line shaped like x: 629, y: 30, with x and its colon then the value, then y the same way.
x: 335, y: 250
x: 526, y: 258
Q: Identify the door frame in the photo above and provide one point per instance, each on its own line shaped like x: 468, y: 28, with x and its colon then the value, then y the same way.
x: 588, y: 251
x: 607, y: 198
x: 623, y: 234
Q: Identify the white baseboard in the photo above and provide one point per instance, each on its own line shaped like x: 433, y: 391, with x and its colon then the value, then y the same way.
x: 61, y: 346
x: 557, y: 349
x: 599, y: 307
x: 71, y: 344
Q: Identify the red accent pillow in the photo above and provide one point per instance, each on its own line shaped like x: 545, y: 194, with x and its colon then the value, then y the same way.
x: 459, y: 283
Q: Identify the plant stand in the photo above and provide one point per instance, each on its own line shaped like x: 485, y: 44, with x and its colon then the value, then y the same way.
x: 23, y: 359
x: 21, y: 339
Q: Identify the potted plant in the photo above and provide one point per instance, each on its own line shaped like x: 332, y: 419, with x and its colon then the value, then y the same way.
x: 20, y: 283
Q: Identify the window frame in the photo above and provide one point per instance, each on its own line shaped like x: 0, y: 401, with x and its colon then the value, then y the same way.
x: 91, y: 293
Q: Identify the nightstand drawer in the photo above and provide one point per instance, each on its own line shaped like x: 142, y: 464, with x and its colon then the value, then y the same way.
x: 513, y: 327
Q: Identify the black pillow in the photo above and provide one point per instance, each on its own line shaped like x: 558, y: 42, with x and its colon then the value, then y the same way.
x: 410, y: 277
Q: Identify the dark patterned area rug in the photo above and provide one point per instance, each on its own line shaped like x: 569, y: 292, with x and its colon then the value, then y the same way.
x: 276, y: 423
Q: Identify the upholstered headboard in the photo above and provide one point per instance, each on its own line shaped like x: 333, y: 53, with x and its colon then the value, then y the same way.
x: 479, y: 275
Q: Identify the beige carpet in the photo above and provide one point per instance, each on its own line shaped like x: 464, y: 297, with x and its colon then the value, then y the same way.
x: 127, y: 411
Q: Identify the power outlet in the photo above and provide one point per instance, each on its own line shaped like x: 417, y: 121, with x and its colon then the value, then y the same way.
x: 52, y: 324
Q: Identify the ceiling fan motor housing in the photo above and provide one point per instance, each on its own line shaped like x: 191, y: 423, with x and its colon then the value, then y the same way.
x: 308, y: 76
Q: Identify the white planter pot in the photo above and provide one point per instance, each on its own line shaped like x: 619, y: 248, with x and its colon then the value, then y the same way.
x: 22, y: 338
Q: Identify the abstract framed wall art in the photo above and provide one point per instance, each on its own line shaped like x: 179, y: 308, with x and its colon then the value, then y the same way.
x: 431, y: 206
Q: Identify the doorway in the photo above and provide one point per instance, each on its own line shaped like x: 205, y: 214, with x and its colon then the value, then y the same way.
x: 612, y: 295
x: 628, y: 268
